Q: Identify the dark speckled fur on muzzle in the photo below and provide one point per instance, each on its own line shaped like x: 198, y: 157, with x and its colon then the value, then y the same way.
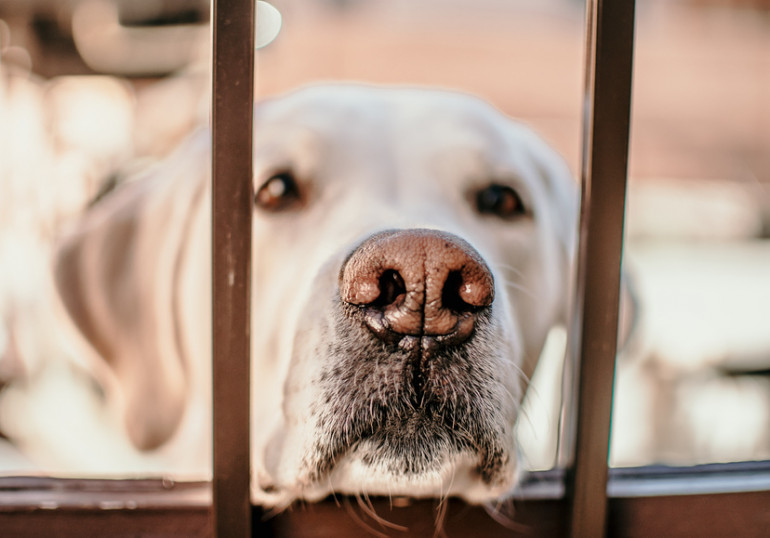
x: 408, y: 396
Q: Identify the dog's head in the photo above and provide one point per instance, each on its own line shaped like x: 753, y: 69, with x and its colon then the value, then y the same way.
x: 410, y: 253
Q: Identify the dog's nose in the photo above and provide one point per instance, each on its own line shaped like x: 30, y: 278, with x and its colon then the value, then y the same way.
x: 417, y: 282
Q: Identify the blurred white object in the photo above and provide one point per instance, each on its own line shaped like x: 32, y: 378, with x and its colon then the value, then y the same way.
x: 92, y: 114
x: 107, y: 46
x: 704, y: 304
x: 669, y: 208
x: 268, y: 24
x: 704, y: 313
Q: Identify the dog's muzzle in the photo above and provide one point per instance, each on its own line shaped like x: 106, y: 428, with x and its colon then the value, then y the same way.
x: 412, y: 381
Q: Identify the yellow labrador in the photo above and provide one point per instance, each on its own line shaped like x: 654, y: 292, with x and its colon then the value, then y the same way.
x: 410, y: 253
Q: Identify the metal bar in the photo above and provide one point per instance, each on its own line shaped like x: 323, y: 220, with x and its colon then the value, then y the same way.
x: 727, y: 499
x: 609, y: 60
x: 233, y: 91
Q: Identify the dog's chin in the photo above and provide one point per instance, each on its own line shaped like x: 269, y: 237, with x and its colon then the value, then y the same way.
x: 454, y: 475
x: 356, y: 474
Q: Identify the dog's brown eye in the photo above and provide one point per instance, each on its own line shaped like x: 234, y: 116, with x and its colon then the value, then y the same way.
x: 278, y: 193
x: 499, y: 200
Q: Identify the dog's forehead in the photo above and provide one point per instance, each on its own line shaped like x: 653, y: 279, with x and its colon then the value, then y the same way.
x: 414, y: 113
x: 358, y: 127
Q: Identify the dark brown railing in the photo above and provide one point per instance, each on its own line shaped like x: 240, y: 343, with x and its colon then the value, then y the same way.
x: 233, y: 97
x: 610, y: 30
x: 594, y: 331
x: 712, y: 500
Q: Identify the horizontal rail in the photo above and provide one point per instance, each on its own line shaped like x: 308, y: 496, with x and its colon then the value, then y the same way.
x: 643, y: 501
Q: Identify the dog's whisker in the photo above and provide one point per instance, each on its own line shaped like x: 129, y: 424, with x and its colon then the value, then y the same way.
x: 494, y: 511
x: 444, y: 495
x: 367, y: 507
x: 358, y: 520
x: 535, y: 397
x: 525, y: 415
x: 439, y: 521
x: 333, y: 495
x: 442, y: 507
x: 511, y: 280
x: 507, y: 267
x: 518, y: 372
x: 520, y: 288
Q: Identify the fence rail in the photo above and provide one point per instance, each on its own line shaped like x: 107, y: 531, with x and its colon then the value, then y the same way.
x: 718, y: 500
x: 233, y: 23
x: 584, y: 499
x: 594, y: 332
x: 608, y: 93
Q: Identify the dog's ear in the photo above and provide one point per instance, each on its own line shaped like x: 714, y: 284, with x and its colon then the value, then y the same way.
x: 557, y: 205
x: 564, y: 197
x: 119, y: 273
x: 564, y: 193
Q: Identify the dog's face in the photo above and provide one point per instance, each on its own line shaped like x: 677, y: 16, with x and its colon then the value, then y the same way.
x: 410, y: 253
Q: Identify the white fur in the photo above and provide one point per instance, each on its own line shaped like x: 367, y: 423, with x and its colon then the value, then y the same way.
x: 371, y: 159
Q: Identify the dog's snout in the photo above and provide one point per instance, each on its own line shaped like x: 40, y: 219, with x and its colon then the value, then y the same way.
x: 417, y: 283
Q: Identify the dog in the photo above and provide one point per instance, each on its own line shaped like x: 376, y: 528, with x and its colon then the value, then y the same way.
x: 411, y: 250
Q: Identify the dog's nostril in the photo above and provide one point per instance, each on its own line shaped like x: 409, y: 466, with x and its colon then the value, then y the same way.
x: 451, y: 294
x: 391, y: 288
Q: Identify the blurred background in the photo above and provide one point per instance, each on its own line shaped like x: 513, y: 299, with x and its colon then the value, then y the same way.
x: 91, y: 90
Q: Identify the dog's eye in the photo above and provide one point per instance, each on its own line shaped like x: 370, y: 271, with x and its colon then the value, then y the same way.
x: 499, y: 200
x: 279, y: 192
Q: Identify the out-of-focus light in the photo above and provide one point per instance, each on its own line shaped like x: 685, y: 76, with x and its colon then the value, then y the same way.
x: 109, y: 47
x: 268, y: 24
x: 92, y: 114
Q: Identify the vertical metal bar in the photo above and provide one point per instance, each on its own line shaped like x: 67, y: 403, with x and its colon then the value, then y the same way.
x: 609, y: 61
x: 233, y: 92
